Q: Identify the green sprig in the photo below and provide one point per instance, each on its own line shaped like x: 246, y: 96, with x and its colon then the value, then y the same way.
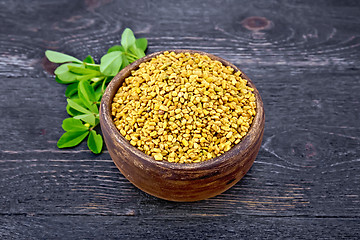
x: 86, y: 83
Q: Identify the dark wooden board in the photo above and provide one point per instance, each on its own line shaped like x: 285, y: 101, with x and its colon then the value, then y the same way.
x: 188, y: 227
x: 302, y: 57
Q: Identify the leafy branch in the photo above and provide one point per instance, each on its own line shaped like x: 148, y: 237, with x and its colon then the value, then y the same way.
x: 86, y: 83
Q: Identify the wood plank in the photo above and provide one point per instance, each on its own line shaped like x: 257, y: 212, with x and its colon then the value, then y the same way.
x: 187, y: 227
x: 322, y: 39
x: 69, y: 183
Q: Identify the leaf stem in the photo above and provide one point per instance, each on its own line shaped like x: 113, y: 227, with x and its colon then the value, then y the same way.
x: 103, y: 85
x: 132, y: 55
x: 92, y: 64
x: 92, y: 128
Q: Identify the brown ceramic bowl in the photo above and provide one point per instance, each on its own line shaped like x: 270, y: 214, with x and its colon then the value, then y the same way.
x: 175, y: 181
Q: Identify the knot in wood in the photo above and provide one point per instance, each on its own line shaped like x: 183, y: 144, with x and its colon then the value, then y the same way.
x: 256, y: 23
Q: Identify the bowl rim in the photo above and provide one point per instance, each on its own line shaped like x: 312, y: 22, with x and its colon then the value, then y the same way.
x: 115, y: 83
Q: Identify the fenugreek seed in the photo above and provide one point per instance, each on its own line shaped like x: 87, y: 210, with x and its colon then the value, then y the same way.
x: 185, y: 142
x: 164, y: 108
x: 152, y: 124
x: 156, y: 150
x: 160, y: 131
x: 184, y: 108
x: 158, y: 156
x: 229, y: 135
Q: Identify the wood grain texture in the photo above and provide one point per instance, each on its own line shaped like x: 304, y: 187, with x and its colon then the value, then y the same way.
x: 117, y: 227
x: 305, y: 182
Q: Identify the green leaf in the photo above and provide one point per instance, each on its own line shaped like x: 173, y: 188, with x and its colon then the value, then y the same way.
x: 98, y: 93
x: 125, y: 61
x: 75, y: 125
x: 127, y: 38
x: 64, y: 68
x: 94, y: 108
x: 116, y: 48
x: 77, y: 106
x: 86, y: 91
x: 64, y: 75
x: 72, y: 112
x: 72, y: 138
x: 82, y: 70
x: 95, y: 142
x: 111, y: 63
x: 57, y: 57
x: 97, y: 121
x: 138, y: 52
x: 85, y: 77
x: 67, y: 78
x: 89, y: 118
x: 71, y: 90
x: 78, y: 101
x: 87, y: 95
x: 89, y: 59
x: 141, y: 43
x: 58, y: 80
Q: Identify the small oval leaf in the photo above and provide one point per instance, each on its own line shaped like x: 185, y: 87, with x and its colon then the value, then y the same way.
x: 71, y: 124
x: 89, y: 59
x: 64, y: 75
x: 127, y: 38
x: 72, y: 138
x: 141, y: 43
x: 88, y: 118
x: 95, y: 142
x: 111, y: 63
x: 57, y: 57
x: 86, y: 91
x: 77, y: 107
x: 71, y: 90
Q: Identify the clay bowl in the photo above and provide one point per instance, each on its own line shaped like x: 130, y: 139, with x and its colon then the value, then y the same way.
x: 175, y: 181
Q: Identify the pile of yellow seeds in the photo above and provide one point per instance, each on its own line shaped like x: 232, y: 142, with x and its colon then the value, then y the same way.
x: 184, y: 108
